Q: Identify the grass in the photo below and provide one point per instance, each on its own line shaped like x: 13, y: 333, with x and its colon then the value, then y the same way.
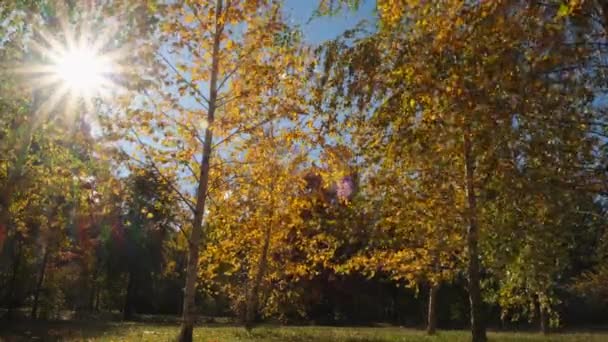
x: 120, y: 331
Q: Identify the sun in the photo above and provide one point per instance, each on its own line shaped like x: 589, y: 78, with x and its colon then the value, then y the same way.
x: 82, y: 70
x: 75, y: 72
x: 73, y: 66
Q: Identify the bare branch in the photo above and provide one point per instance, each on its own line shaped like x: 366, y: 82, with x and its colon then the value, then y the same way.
x: 166, y: 179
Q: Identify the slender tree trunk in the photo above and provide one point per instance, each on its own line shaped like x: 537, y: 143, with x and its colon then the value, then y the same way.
x: 254, y: 296
x: 97, y: 300
x: 13, y: 281
x: 478, y: 329
x: 544, y: 320
x: 127, y: 312
x: 94, y: 288
x: 39, y: 283
x: 188, y: 311
x: 431, y: 325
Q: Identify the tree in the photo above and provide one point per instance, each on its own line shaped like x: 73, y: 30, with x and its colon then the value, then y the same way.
x: 459, y: 79
x: 149, y: 216
x: 228, y: 49
x: 251, y: 222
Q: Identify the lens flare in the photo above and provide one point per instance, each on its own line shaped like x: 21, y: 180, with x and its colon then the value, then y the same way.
x: 82, y: 70
x: 70, y: 65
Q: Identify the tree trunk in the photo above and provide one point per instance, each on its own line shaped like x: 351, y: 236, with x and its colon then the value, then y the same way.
x: 94, y: 288
x: 97, y: 300
x: 254, y: 296
x: 544, y: 320
x: 13, y: 281
x: 127, y: 312
x: 478, y: 329
x: 39, y: 283
x: 431, y: 326
x: 188, y: 312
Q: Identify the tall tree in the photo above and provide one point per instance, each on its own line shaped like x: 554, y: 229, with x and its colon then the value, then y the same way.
x: 457, y: 79
x: 217, y: 64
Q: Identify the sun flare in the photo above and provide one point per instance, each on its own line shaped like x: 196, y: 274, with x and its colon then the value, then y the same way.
x: 82, y: 70
x: 71, y: 67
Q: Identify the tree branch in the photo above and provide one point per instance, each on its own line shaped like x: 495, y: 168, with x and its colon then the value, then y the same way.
x: 189, y: 83
x: 166, y: 179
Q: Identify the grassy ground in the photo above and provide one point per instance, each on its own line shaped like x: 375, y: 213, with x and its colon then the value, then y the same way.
x: 106, y: 331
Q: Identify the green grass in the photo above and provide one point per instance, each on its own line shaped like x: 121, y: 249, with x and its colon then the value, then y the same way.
x: 114, y: 331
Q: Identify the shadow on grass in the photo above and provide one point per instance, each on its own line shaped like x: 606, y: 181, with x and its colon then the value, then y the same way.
x: 164, y: 329
x: 30, y: 330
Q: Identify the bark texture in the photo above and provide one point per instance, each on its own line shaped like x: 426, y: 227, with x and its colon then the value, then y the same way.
x: 478, y: 329
x: 431, y: 325
x: 39, y: 282
x: 188, y: 311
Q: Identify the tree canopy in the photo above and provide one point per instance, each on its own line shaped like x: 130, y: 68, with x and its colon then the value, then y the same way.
x: 213, y: 161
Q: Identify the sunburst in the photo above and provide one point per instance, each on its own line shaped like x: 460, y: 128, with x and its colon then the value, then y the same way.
x: 74, y: 67
x: 82, y: 70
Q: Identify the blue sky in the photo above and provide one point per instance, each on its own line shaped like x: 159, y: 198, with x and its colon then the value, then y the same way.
x: 326, y: 27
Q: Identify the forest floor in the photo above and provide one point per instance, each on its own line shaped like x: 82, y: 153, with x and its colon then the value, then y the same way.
x: 120, y: 331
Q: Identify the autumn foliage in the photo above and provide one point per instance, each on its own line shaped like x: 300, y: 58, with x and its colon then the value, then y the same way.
x: 446, y: 153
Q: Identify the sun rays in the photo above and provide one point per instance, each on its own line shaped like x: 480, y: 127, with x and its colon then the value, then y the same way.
x: 73, y: 66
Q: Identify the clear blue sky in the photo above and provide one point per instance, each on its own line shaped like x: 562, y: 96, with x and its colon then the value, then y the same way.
x: 326, y: 27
